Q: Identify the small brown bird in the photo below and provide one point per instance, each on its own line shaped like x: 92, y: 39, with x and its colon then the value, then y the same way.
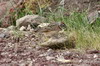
x: 55, y: 26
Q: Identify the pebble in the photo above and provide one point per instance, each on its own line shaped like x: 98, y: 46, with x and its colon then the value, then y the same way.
x: 2, y: 35
x: 29, y: 27
x: 49, y: 58
x: 22, y: 28
x: 95, y: 56
x: 43, y: 25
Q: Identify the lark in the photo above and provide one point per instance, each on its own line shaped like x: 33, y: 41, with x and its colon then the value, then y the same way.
x: 55, y: 26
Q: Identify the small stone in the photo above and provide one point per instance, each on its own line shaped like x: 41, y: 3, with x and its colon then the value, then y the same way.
x: 43, y: 25
x: 29, y: 27
x: 4, y: 53
x: 80, y: 61
x: 49, y: 58
x: 49, y: 50
x: 2, y: 35
x: 95, y: 56
x: 22, y: 28
x: 7, y: 60
x: 99, y: 12
x: 61, y: 59
x: 41, y: 55
x: 29, y: 59
x: 30, y: 63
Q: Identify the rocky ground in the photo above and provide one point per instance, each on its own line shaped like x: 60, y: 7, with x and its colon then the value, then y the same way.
x: 24, y: 52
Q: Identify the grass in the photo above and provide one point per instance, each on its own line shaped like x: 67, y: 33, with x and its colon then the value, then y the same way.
x: 88, y: 36
x: 18, y: 34
x: 18, y: 13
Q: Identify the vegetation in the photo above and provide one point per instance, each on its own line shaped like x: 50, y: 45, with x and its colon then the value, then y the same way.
x: 87, y: 36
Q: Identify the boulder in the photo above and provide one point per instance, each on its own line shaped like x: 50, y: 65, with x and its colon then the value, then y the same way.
x: 57, y: 40
x: 92, y: 16
x: 33, y: 20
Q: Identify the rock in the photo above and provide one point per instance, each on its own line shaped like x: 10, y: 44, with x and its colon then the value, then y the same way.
x: 57, y: 40
x: 33, y: 20
x: 93, y: 51
x: 11, y: 27
x: 29, y: 27
x: 93, y: 16
x: 22, y: 28
x: 95, y: 56
x: 49, y: 58
x: 99, y: 12
x: 2, y: 35
x: 61, y: 59
x: 43, y: 25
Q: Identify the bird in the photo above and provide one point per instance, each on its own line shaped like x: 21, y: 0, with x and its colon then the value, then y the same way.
x: 54, y: 26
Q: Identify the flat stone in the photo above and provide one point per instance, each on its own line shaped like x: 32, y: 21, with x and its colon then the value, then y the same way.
x: 33, y: 20
x: 2, y: 35
x: 22, y: 28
